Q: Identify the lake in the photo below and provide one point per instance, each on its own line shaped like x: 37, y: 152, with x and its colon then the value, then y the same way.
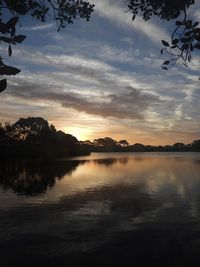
x: 106, y: 209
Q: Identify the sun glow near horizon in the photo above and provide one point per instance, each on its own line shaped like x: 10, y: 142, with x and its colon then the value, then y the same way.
x: 98, y: 81
x: 85, y: 133
x: 80, y: 133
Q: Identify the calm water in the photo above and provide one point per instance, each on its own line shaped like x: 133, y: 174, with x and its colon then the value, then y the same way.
x: 110, y: 209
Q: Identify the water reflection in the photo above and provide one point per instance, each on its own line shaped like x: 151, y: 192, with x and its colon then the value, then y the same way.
x: 106, y: 162
x: 111, y: 161
x: 33, y: 178
x: 105, y: 211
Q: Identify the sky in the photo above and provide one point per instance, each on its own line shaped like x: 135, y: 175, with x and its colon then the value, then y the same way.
x: 104, y: 78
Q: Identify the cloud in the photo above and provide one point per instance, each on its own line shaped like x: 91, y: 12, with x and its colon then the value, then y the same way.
x: 75, y: 64
x: 129, y: 104
x: 84, y: 72
x: 39, y: 27
x: 93, y: 75
x: 113, y: 10
x: 93, y: 86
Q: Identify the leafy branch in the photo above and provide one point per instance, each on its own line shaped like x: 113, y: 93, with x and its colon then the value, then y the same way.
x: 64, y: 12
x: 184, y: 40
x: 186, y: 36
x: 8, y: 35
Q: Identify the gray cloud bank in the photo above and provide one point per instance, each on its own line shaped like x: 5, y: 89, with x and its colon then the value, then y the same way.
x: 131, y: 103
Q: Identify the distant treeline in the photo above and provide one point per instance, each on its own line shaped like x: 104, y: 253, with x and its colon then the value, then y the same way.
x: 108, y: 144
x: 33, y: 137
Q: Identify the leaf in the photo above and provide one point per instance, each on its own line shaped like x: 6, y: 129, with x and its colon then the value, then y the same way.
x: 165, y: 43
x: 12, y: 22
x: 197, y: 46
x: 184, y: 40
x: 7, y: 70
x: 5, y: 39
x: 9, y: 50
x: 164, y: 68
x: 197, y: 34
x: 3, y: 85
x: 161, y: 51
x: 12, y: 31
x: 184, y: 46
x: 195, y: 24
x: 197, y: 30
x: 20, y: 8
x: 188, y: 26
x: 178, y: 23
x: 19, y: 38
x: 166, y: 62
x: 3, y: 28
x: 188, y: 33
x: 175, y: 41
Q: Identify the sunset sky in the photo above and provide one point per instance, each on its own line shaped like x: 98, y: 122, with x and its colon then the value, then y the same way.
x: 104, y: 78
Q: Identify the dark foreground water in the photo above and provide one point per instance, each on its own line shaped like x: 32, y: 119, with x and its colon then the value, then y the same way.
x: 102, y: 210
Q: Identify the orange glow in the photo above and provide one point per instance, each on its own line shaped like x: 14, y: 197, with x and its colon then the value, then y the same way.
x: 80, y: 133
x: 95, y: 129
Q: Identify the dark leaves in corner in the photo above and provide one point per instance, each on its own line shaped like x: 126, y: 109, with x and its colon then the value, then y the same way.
x: 3, y: 85
x: 12, y: 22
x: 166, y: 62
x: 9, y: 50
x: 19, y: 38
x: 165, y: 43
x: 7, y: 70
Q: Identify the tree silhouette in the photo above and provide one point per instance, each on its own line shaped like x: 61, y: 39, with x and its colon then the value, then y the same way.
x: 32, y: 177
x: 63, y: 12
x: 123, y: 143
x: 105, y: 142
x: 34, y: 137
x: 184, y: 39
x: 24, y: 128
x: 186, y: 36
